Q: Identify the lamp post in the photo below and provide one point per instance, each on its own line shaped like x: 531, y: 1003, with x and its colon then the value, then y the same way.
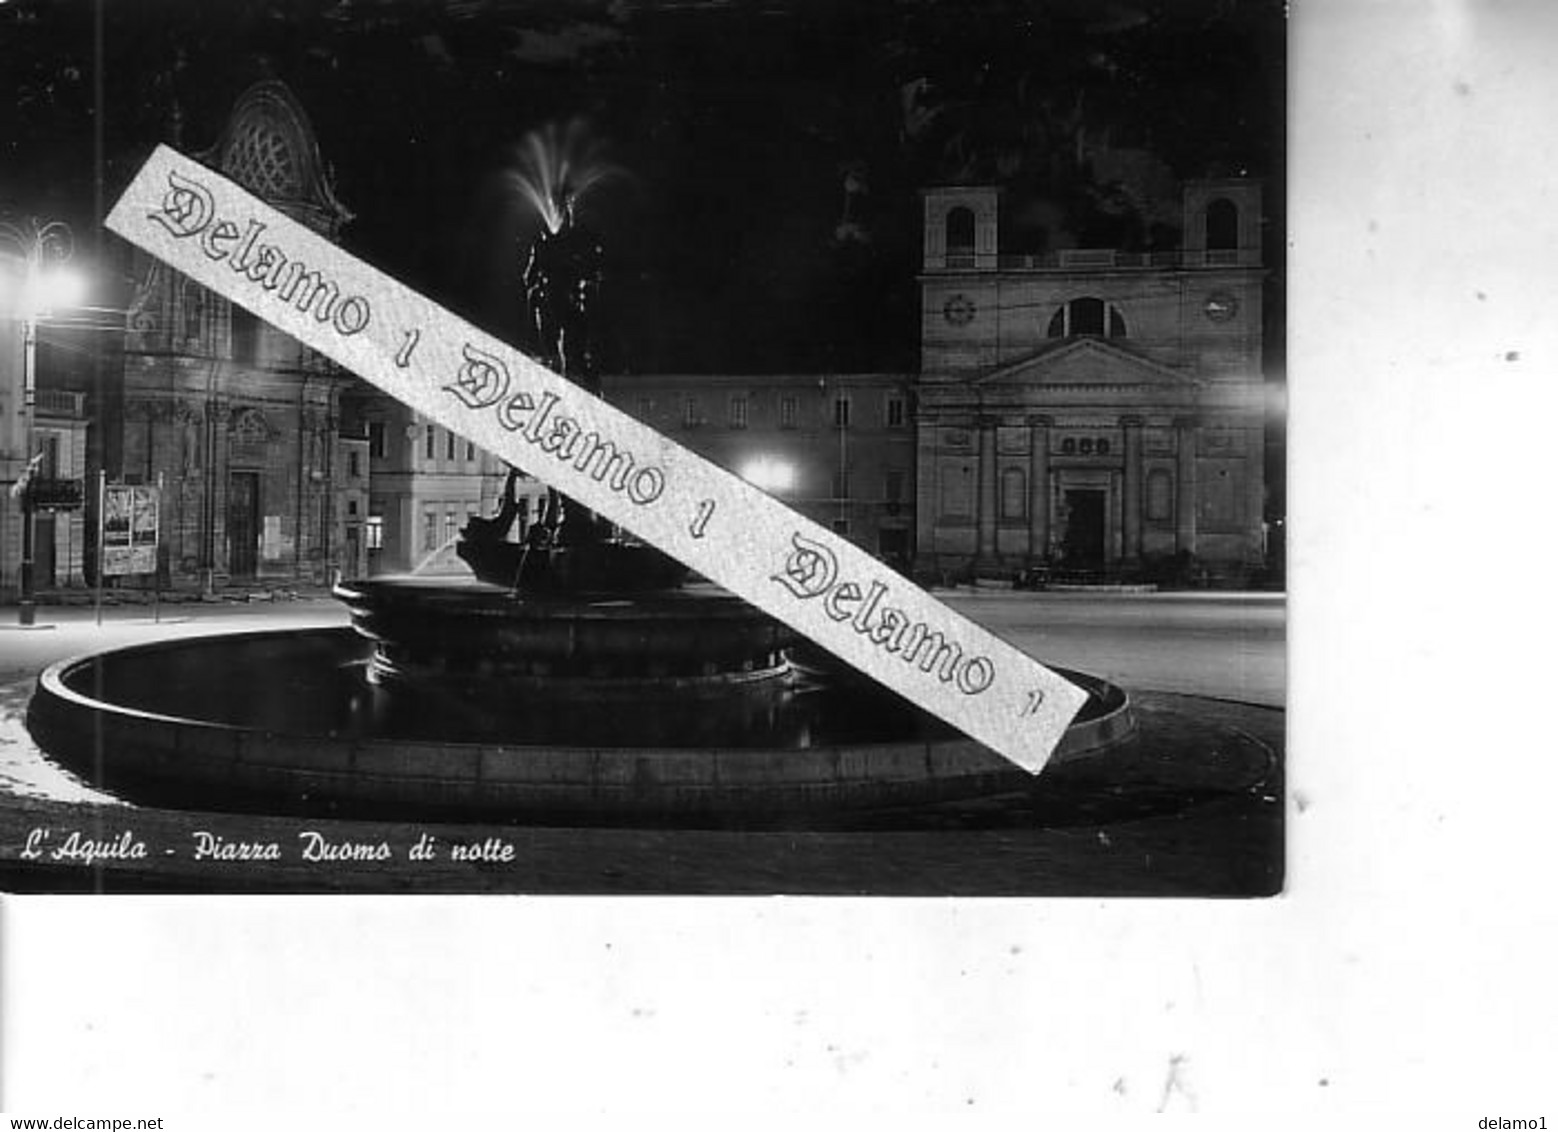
x: 42, y: 250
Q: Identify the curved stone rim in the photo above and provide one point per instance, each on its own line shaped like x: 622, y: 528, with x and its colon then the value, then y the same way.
x: 174, y: 752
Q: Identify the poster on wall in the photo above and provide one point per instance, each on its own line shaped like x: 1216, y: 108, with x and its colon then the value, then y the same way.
x: 130, y: 523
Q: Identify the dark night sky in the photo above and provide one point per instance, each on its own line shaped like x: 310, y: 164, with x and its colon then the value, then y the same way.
x: 731, y: 241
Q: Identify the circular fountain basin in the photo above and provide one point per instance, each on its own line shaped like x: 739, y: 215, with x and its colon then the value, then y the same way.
x: 287, y: 722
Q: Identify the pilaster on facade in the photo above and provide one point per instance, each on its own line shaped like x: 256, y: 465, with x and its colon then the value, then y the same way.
x: 1187, y: 439
x: 1131, y: 426
x: 1039, y: 425
x: 1135, y: 375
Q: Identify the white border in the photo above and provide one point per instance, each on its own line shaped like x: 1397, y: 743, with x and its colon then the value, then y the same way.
x: 1406, y: 975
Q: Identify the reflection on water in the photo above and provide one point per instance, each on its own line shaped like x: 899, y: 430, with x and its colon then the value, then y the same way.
x: 315, y: 683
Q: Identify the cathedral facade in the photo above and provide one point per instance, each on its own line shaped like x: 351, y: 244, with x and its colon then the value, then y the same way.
x: 1089, y: 411
x: 238, y: 422
x: 276, y: 465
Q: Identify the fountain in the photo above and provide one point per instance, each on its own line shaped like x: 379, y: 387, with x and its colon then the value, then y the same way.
x: 576, y: 677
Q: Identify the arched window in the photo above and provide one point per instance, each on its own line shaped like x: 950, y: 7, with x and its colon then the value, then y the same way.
x: 1068, y: 446
x: 1222, y: 225
x: 1014, y: 494
x: 1087, y: 316
x: 960, y: 231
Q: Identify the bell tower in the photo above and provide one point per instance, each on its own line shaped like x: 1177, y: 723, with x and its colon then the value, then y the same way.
x: 1222, y: 223
x: 961, y: 228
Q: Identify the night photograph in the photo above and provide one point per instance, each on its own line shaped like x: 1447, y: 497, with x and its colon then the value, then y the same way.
x: 992, y: 295
x: 889, y: 560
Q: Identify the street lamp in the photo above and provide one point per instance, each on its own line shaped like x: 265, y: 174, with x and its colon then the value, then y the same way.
x: 770, y: 473
x: 44, y: 283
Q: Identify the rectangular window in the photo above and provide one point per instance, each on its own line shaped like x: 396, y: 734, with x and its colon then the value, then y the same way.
x: 353, y: 465
x: 191, y: 306
x: 470, y: 452
x: 788, y: 409
x: 841, y: 483
x: 246, y: 336
x: 432, y: 440
x: 689, y: 412
x: 375, y: 532
x: 841, y: 412
x: 738, y: 412
x: 451, y: 525
x: 49, y: 445
x: 376, y: 439
x: 449, y: 447
x: 895, y: 413
x: 429, y: 529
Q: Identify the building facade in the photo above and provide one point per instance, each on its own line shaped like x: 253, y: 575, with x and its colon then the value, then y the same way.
x: 838, y: 448
x: 53, y: 428
x: 419, y: 484
x: 1088, y: 410
x: 276, y: 465
x: 238, y: 422
x: 1083, y: 410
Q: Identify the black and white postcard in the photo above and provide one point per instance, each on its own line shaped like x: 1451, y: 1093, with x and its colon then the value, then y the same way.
x: 618, y: 558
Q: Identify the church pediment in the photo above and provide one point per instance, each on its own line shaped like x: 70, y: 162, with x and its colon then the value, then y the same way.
x: 1089, y: 362
x: 270, y: 149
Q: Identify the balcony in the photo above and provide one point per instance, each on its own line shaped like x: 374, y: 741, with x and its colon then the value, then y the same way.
x: 46, y: 493
x: 1098, y: 259
x: 1108, y: 259
x: 60, y: 403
